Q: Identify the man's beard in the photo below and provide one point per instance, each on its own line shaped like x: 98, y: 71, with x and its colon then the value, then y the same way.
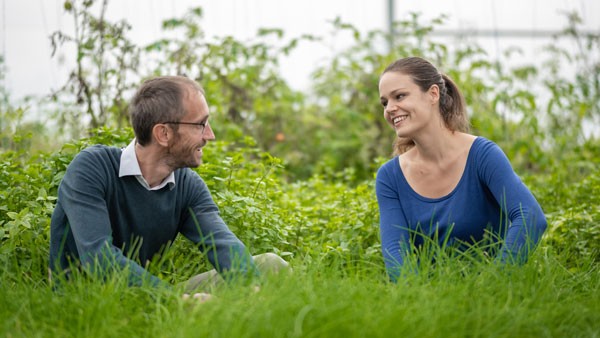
x: 180, y: 157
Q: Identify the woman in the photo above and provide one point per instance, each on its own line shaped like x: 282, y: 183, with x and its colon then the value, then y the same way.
x: 445, y: 185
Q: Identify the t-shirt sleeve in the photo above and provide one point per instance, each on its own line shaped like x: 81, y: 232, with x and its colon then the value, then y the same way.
x: 82, y: 197
x: 525, y: 221
x: 392, y: 223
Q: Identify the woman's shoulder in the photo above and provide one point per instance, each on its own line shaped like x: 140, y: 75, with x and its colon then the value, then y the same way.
x: 487, y: 155
x: 482, y: 145
x: 389, y: 164
x: 388, y: 168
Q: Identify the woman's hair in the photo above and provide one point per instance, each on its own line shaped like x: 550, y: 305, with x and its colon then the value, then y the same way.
x: 159, y: 100
x: 452, y: 104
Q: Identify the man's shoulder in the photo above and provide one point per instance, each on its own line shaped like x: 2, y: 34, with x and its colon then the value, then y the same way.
x: 187, y: 175
x: 96, y: 155
x: 189, y: 180
x: 100, y: 150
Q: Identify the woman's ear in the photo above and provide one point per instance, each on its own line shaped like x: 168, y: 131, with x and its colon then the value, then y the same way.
x: 434, y: 93
x: 161, y: 134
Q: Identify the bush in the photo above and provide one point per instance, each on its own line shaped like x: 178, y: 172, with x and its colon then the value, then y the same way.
x: 574, y: 231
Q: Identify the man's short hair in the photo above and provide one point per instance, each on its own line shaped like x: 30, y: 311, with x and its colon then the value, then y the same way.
x: 159, y: 100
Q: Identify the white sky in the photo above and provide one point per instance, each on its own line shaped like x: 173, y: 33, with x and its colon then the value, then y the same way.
x: 25, y: 27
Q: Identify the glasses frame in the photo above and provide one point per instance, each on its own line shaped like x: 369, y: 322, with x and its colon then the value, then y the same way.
x: 200, y: 124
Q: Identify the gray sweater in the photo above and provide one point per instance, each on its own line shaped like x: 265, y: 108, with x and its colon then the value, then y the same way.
x: 107, y: 222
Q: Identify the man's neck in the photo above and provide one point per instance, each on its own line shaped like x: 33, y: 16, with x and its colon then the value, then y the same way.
x: 151, y: 161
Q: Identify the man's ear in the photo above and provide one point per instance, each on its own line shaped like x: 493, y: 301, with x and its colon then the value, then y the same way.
x: 162, y: 134
x: 434, y: 93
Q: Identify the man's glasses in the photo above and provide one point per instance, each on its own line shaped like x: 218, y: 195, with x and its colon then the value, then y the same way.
x: 200, y: 125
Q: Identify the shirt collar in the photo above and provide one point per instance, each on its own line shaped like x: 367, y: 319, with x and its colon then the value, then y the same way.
x: 130, y: 167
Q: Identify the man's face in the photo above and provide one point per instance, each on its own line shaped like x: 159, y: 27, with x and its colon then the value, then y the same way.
x: 185, y: 148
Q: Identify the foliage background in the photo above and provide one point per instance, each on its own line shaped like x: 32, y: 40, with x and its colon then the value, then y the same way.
x: 293, y: 172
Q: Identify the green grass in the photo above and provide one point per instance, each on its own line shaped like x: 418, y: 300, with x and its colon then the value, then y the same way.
x: 455, y: 299
x: 338, y: 287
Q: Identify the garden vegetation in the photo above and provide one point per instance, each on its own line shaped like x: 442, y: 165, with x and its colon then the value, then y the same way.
x: 293, y: 173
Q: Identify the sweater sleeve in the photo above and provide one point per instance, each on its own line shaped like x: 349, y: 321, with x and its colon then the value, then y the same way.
x: 525, y: 221
x: 82, y: 197
x: 392, y: 223
x: 204, y: 226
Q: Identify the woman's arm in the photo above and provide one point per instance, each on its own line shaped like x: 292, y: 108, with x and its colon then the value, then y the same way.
x: 393, y: 228
x: 525, y: 219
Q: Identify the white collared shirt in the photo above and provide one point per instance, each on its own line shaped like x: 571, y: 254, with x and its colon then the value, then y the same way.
x: 130, y: 167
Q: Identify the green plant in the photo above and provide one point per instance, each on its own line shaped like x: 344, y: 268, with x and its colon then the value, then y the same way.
x: 532, y: 115
x: 18, y: 132
x: 574, y: 230
x: 241, y: 79
x: 311, y: 197
x: 106, y: 60
x: 575, y: 101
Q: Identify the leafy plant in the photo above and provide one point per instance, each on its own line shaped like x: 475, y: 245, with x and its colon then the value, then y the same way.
x: 292, y: 173
x: 241, y: 78
x: 106, y: 62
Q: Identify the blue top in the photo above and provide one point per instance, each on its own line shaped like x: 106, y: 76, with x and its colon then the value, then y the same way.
x: 105, y: 221
x: 489, y: 196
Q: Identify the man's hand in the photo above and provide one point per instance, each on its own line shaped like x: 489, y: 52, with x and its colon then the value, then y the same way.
x: 201, y: 297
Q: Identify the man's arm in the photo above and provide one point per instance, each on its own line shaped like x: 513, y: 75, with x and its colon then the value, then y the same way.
x: 82, y: 196
x: 203, y: 225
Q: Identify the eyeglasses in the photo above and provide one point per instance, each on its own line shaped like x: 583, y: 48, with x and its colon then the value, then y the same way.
x: 200, y: 125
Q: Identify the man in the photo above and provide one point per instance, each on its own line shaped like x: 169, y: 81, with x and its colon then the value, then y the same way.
x: 118, y: 208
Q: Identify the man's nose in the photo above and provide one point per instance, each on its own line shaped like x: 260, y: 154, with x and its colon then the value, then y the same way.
x: 208, y: 133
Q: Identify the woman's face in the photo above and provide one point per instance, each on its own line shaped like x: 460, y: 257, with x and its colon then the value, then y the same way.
x: 405, y: 107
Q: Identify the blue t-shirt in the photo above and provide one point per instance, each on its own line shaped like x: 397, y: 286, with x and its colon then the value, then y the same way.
x: 489, y: 197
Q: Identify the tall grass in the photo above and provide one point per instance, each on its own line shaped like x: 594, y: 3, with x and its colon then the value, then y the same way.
x: 454, y: 299
x: 328, y: 229
x: 326, y: 223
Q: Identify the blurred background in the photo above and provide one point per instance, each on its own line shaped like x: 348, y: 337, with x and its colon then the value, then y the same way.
x: 299, y: 78
x: 27, y: 25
